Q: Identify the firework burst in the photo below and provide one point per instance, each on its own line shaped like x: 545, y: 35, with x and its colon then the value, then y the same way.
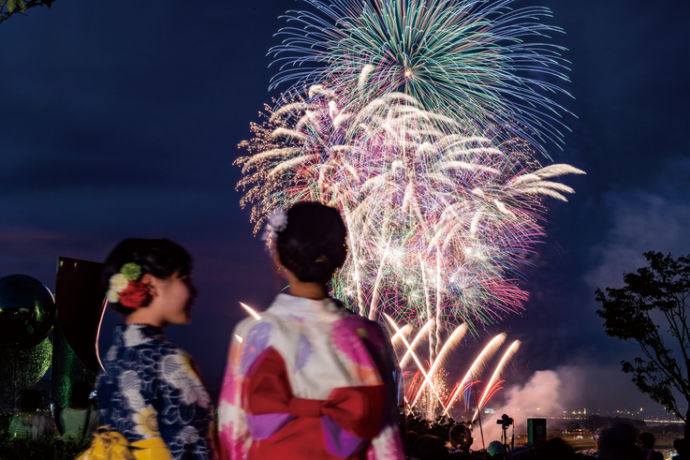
x: 440, y: 220
x: 484, y: 63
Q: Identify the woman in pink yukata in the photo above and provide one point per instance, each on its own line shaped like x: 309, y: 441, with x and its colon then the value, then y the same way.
x: 310, y: 379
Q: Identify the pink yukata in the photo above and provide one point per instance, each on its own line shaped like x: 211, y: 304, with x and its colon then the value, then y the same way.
x: 309, y: 380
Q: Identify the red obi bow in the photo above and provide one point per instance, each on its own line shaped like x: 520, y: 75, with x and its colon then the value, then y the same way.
x: 357, y: 409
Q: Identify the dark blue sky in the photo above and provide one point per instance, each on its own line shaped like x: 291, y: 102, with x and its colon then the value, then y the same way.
x: 118, y: 122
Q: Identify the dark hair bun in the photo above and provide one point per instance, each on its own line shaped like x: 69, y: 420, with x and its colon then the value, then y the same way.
x: 312, y: 245
x: 159, y: 257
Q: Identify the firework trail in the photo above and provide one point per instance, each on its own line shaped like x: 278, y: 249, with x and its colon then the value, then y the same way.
x: 421, y: 334
x: 476, y: 368
x: 485, y: 63
x: 494, y: 377
x: 439, y: 220
x: 402, y: 332
x: 420, y: 367
x: 447, y: 346
x: 426, y: 389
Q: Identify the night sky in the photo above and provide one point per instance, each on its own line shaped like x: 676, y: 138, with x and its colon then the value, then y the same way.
x: 121, y: 120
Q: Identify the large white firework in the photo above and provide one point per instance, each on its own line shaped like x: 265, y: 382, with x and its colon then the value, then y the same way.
x: 440, y: 220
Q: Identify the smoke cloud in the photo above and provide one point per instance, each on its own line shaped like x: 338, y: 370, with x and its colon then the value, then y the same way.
x: 549, y: 392
x: 540, y: 396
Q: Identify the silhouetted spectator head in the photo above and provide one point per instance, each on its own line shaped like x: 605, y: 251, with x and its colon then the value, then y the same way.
x: 647, y: 440
x: 496, y: 448
x: 30, y: 401
x: 618, y: 442
x: 411, y: 440
x: 460, y: 437
x: 80, y: 394
x: 430, y: 447
x: 556, y: 448
x: 681, y: 446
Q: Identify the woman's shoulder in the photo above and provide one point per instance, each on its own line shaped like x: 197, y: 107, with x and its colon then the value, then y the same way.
x: 139, y: 353
x: 149, y: 342
x: 276, y: 327
x: 353, y: 320
x: 136, y: 339
x: 166, y: 347
x: 151, y: 351
x: 244, y: 327
x: 362, y: 329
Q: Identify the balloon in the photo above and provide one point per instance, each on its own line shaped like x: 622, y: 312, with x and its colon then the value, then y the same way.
x: 27, y: 311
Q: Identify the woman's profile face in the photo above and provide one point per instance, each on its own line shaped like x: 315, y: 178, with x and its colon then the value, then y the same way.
x: 176, y: 295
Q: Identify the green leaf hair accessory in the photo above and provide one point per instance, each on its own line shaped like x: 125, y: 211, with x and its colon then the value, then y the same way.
x: 131, y: 271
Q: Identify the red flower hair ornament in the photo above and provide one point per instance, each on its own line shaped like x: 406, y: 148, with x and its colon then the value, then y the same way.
x: 135, y: 295
x: 126, y: 288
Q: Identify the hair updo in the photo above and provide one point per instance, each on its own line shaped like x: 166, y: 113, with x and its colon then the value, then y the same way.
x: 312, y: 244
x: 158, y: 257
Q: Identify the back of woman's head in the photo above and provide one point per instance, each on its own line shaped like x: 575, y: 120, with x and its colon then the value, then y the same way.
x: 158, y: 257
x: 312, y: 244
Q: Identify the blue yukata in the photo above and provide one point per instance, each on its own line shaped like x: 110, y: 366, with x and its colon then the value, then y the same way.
x: 150, y: 389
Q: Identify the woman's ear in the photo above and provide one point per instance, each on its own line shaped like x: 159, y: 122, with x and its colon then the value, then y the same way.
x: 280, y: 268
x: 151, y: 283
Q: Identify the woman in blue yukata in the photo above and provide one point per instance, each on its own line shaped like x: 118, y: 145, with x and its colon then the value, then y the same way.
x: 150, y: 391
x: 309, y: 379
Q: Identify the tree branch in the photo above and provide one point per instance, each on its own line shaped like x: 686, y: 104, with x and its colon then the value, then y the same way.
x: 663, y: 285
x: 20, y: 7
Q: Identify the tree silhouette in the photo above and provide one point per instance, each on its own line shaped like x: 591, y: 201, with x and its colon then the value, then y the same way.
x: 651, y: 310
x: 11, y: 7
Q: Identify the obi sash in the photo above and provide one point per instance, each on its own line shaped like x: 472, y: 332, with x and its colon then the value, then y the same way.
x: 111, y: 445
x: 284, y: 427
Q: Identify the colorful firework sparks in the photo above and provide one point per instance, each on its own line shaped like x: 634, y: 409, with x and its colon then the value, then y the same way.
x: 427, y: 386
x: 489, y: 391
x: 439, y: 220
x: 475, y: 369
x: 485, y: 63
x: 421, y: 122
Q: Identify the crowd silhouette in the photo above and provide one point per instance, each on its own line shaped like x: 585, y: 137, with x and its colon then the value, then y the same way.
x: 450, y: 440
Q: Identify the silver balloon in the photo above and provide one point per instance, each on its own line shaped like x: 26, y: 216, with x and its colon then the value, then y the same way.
x: 27, y: 311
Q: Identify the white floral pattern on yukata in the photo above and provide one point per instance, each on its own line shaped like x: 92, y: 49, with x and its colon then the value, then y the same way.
x: 150, y: 389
